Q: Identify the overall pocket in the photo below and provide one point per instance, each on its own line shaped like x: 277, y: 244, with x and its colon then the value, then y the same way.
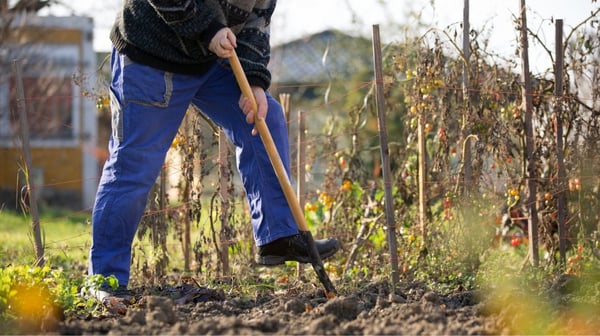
x: 146, y: 85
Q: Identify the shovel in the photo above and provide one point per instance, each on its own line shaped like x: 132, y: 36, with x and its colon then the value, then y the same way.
x: 290, y: 196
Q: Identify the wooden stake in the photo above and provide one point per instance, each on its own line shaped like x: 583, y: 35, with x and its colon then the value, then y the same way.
x: 529, y: 141
x: 187, y: 226
x: 31, y: 188
x: 225, y: 196
x: 385, y: 157
x: 301, y: 168
x: 561, y: 202
x: 466, y: 174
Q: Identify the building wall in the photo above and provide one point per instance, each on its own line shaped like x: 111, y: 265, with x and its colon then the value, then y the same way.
x: 67, y: 166
x: 55, y: 173
x: 61, y: 167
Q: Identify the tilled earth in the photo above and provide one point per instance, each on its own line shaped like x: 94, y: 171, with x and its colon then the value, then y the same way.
x: 372, y: 310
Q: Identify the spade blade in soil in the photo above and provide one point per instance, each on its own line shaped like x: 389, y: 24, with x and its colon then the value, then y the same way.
x: 317, y: 263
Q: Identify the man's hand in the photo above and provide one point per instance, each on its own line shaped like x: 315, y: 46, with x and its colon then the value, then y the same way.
x: 223, y: 43
x: 248, y: 109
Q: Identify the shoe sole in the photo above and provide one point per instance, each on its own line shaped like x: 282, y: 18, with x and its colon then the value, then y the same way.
x: 272, y: 260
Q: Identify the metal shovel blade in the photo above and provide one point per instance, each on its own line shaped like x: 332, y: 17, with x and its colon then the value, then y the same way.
x: 317, y: 263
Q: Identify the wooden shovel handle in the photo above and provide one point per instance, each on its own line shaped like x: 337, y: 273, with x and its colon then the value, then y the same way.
x: 297, y: 212
x: 265, y: 135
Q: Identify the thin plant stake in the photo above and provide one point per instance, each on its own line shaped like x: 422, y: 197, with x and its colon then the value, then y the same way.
x: 385, y: 157
x: 31, y: 189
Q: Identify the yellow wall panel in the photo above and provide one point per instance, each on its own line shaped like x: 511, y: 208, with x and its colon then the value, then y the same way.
x: 27, y: 35
x: 61, y: 167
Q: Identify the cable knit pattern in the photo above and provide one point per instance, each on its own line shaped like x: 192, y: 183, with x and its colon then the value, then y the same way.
x: 173, y: 35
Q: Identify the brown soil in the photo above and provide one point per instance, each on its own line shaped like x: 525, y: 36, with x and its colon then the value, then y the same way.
x: 568, y: 305
x: 372, y: 310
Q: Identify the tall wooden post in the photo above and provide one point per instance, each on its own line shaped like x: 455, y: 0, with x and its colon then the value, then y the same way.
x: 187, y: 225
x: 529, y: 140
x: 224, y: 235
x: 561, y: 202
x: 31, y: 189
x: 467, y: 170
x: 159, y: 225
x: 301, y: 168
x: 385, y: 158
x: 422, y: 171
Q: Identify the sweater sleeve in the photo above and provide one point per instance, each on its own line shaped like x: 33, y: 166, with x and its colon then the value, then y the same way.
x: 188, y: 20
x: 254, y: 48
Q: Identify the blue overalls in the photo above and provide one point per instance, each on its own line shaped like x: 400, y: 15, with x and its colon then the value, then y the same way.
x: 148, y: 106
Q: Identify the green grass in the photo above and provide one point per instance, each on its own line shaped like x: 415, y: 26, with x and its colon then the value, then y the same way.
x: 66, y: 237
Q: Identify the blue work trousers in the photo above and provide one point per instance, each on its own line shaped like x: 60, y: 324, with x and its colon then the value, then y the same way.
x: 148, y: 106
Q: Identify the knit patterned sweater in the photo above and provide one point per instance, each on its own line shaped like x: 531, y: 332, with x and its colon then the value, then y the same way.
x: 173, y: 35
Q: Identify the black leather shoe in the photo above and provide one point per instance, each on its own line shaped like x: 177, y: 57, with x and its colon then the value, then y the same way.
x: 294, y: 248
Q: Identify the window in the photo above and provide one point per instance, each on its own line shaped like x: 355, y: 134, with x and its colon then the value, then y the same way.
x: 49, y: 106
